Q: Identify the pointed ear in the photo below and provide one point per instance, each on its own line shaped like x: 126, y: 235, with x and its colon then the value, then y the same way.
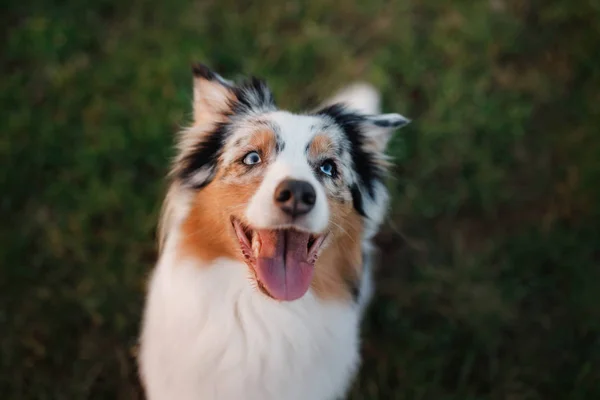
x: 378, y: 129
x: 365, y: 100
x: 213, y: 95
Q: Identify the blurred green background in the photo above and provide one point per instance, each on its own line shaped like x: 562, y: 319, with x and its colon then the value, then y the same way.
x: 489, y: 285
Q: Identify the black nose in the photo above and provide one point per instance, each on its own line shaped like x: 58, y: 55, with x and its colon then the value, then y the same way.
x: 295, y: 197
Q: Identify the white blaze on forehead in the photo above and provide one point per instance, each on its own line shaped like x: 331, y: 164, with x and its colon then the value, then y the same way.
x: 295, y: 133
x: 298, y: 131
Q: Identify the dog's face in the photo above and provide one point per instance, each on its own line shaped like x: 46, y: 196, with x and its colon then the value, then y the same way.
x: 292, y: 195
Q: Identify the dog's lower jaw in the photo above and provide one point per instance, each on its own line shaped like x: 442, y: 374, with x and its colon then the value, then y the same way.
x: 208, y: 333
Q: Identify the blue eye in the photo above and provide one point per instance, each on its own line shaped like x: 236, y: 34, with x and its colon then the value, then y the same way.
x: 251, y: 158
x: 328, y: 168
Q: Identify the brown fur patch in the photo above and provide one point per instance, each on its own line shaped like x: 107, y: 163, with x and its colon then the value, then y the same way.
x: 207, y: 231
x: 340, y: 265
x: 321, y: 144
x: 264, y: 140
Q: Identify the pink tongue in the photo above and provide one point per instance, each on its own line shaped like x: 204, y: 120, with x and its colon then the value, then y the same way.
x: 282, y: 263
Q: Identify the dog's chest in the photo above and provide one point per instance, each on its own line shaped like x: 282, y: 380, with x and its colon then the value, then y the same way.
x: 208, y: 334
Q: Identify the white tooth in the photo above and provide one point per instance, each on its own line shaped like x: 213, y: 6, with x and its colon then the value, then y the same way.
x: 255, y: 243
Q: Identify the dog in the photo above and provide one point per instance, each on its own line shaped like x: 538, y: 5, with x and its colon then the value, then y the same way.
x: 265, y: 242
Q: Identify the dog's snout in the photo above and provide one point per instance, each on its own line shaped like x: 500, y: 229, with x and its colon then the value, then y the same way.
x: 295, y: 197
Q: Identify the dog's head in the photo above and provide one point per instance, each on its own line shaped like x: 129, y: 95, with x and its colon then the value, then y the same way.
x: 292, y: 195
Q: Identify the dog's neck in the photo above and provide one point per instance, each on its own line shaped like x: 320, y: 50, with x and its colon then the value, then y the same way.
x: 215, y: 326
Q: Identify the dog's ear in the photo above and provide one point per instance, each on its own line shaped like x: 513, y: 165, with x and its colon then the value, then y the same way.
x: 213, y: 95
x: 378, y: 129
x: 371, y: 132
x: 360, y: 102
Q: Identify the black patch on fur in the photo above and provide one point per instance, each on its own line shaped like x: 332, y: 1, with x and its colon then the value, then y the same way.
x: 357, y: 200
x: 354, y: 285
x: 389, y: 122
x: 279, y: 144
x: 383, y: 123
x: 202, y: 71
x: 252, y: 94
x: 364, y: 162
x: 205, y: 154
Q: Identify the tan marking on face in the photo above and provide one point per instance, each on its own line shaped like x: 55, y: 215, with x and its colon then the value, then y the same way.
x: 341, y: 262
x: 321, y: 144
x: 263, y: 141
x: 207, y: 233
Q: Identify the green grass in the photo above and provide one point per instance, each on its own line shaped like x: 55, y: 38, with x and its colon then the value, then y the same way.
x: 489, y: 282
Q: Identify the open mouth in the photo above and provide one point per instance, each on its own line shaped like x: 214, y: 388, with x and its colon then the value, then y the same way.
x: 282, y: 260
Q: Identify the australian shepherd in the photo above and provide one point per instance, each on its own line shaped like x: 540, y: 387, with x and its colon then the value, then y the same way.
x: 265, y: 246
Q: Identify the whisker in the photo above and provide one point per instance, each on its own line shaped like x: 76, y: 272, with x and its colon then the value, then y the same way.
x: 344, y: 231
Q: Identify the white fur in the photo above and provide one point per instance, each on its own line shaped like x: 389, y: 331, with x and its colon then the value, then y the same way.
x: 209, y: 334
x: 359, y: 96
